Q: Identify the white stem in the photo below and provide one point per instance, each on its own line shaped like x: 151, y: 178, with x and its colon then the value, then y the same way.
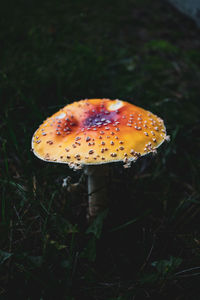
x: 97, y: 192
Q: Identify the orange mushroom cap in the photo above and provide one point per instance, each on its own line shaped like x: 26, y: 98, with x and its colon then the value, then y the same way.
x: 96, y: 131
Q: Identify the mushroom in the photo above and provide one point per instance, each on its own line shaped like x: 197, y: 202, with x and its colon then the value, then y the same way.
x: 92, y: 133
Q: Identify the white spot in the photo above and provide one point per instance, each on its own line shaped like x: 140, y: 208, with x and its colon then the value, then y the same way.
x: 167, y: 138
x: 116, y: 104
x: 61, y: 116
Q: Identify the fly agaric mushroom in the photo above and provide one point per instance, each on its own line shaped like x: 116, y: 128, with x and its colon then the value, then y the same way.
x: 94, y: 132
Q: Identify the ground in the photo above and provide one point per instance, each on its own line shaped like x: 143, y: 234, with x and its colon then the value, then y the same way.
x: 147, y: 243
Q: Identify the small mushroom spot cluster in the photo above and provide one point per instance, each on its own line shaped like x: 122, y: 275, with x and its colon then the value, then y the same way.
x: 97, y: 131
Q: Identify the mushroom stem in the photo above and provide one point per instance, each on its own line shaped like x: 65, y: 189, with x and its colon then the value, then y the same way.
x: 97, y: 192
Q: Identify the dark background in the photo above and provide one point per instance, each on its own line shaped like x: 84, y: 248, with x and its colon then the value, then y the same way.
x: 147, y: 244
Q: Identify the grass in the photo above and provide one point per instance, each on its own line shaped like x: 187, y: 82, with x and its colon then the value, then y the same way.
x: 147, y: 244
